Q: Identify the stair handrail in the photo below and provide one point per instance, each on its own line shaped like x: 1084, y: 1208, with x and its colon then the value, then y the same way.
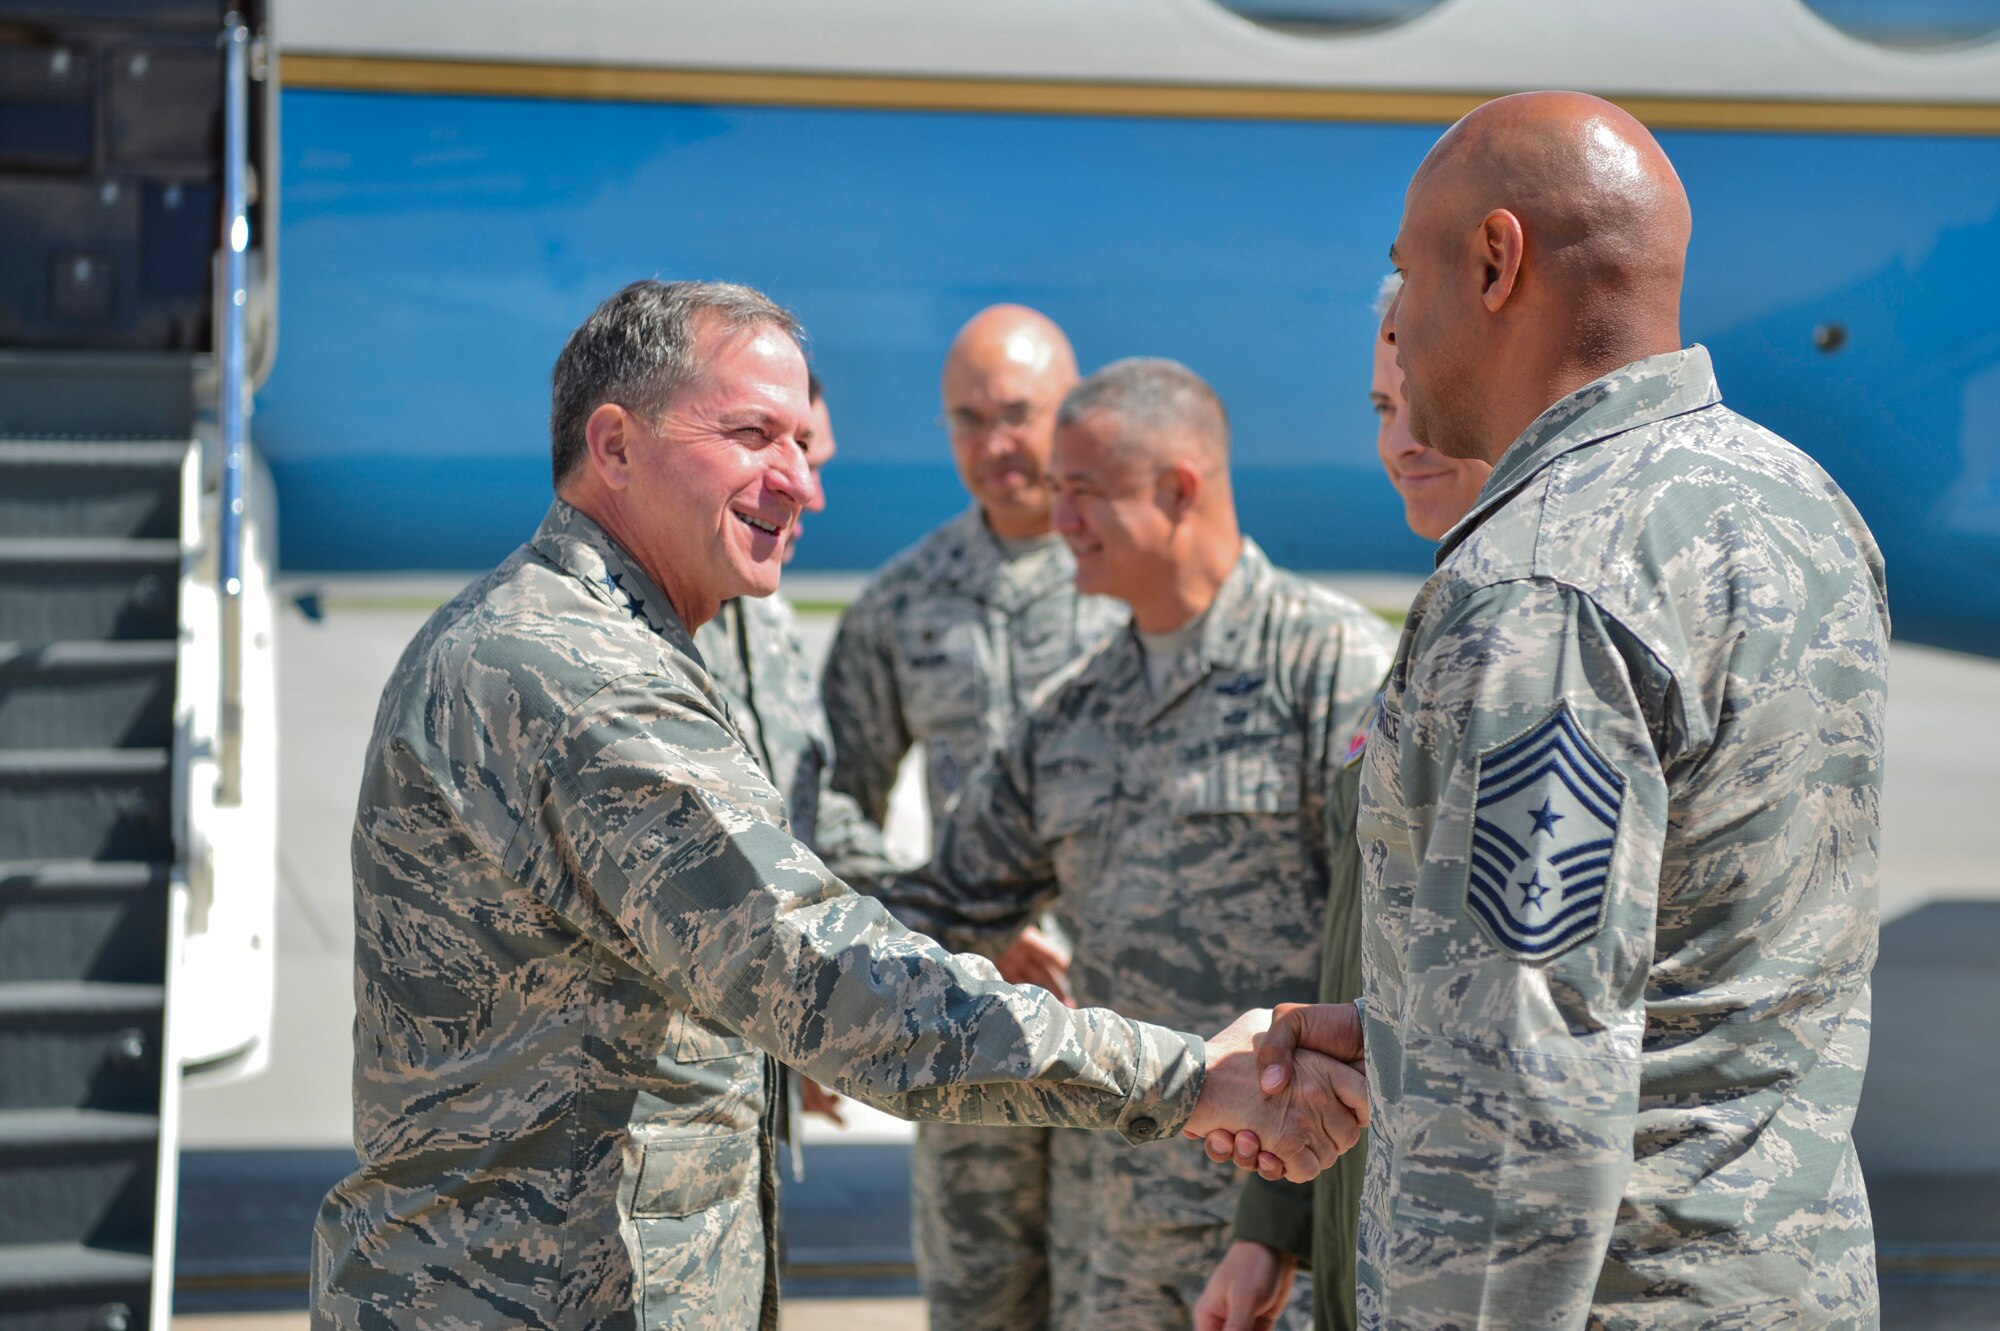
x: 233, y: 388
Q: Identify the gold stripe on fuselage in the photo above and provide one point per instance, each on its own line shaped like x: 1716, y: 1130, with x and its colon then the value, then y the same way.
x: 622, y: 83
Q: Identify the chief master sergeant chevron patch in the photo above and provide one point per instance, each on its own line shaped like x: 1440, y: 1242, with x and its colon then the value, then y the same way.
x: 1545, y: 815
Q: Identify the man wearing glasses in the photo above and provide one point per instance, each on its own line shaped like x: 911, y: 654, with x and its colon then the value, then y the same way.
x: 946, y: 647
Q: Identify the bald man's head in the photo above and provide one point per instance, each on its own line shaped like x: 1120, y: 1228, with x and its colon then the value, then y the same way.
x: 1004, y: 376
x: 1544, y: 237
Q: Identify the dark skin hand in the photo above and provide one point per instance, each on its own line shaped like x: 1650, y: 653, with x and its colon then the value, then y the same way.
x: 1333, y: 1029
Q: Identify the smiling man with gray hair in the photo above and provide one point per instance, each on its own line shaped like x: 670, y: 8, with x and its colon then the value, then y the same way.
x: 583, y: 927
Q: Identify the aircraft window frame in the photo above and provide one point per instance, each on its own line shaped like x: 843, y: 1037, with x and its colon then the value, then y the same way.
x: 1911, y: 26
x: 1327, y: 18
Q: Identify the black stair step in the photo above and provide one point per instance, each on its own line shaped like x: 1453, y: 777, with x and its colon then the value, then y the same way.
x: 75, y: 496
x: 83, y: 920
x: 34, y: 1128
x: 69, y: 489
x: 76, y: 804
x: 30, y: 1268
x: 81, y: 1045
x: 88, y: 550
x: 87, y: 694
x: 92, y: 1183
x: 54, y: 763
x: 119, y: 454
x: 83, y: 656
x: 72, y: 589
x: 66, y: 998
x: 83, y: 875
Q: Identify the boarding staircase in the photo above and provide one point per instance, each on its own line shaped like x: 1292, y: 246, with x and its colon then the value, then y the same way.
x: 137, y: 753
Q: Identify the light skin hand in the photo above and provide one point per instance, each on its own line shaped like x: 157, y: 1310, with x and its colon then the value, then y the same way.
x: 1332, y: 1029
x: 817, y: 1099
x: 1248, y: 1290
x: 1035, y: 958
x: 1304, y: 1127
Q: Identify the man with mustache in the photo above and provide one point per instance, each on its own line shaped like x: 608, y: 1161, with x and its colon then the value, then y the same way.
x: 945, y: 647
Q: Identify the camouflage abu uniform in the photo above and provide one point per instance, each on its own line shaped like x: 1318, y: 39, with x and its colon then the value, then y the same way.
x: 945, y: 647
x: 751, y: 649
x: 1190, y: 833
x: 580, y: 927
x: 1619, y: 821
x: 752, y: 652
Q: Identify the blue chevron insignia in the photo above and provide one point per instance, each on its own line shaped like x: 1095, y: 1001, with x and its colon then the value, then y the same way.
x: 1545, y: 817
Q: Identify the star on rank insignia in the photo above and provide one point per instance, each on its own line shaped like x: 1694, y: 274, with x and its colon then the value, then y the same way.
x: 1545, y: 817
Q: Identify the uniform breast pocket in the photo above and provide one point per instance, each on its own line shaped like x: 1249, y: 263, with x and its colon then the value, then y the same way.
x: 941, y: 672
x: 1071, y: 796
x: 1253, y: 775
x: 1070, y: 809
x: 692, y: 1038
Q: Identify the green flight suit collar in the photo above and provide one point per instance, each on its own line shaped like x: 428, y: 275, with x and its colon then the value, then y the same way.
x: 1643, y: 393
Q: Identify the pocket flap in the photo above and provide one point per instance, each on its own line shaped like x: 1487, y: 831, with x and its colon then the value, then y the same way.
x: 685, y: 1175
x: 1252, y: 779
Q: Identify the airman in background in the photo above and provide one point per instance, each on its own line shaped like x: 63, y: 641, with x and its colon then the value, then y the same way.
x: 1175, y: 795
x: 1620, y: 807
x: 945, y: 647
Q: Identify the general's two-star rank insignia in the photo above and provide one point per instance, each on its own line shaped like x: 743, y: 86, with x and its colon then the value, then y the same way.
x: 1545, y: 816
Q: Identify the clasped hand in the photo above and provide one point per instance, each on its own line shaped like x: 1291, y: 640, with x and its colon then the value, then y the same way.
x: 1284, y: 1094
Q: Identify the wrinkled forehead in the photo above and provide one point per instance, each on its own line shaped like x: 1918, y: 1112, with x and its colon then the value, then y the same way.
x: 760, y: 363
x: 1100, y: 449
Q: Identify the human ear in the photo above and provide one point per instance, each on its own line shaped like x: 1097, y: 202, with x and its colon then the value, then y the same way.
x: 1177, y: 489
x: 607, y: 438
x: 1500, y: 247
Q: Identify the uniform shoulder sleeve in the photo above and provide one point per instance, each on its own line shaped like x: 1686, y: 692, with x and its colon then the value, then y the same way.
x: 1535, y: 815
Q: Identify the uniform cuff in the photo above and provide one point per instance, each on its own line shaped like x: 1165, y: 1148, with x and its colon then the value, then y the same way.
x: 1278, y: 1215
x: 1172, y: 1067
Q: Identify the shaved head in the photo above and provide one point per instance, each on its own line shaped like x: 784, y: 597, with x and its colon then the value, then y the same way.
x: 1011, y: 336
x: 1546, y: 231
x: 1004, y: 376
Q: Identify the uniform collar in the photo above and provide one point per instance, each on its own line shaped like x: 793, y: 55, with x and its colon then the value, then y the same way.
x: 1642, y: 393
x: 577, y: 545
x: 1229, y: 639
x: 978, y: 567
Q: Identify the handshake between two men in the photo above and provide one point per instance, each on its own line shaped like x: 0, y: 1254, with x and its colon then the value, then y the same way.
x: 1285, y: 1094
